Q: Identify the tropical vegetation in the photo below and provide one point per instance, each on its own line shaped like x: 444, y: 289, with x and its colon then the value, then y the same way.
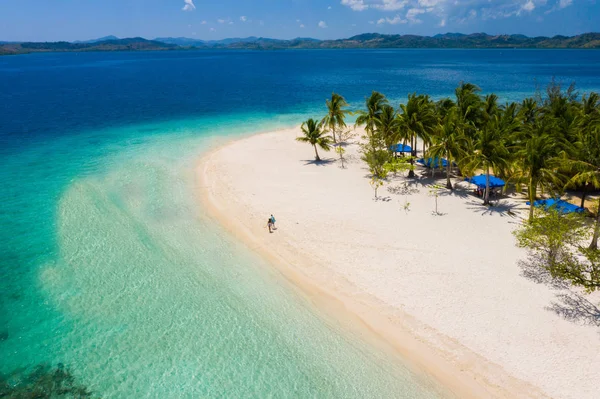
x: 544, y: 145
x: 334, y: 120
x: 315, y: 136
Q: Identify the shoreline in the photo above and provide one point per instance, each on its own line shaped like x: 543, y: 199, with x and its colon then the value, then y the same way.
x: 425, y: 351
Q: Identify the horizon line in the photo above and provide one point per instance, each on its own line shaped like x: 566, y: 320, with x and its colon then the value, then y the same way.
x: 294, y: 38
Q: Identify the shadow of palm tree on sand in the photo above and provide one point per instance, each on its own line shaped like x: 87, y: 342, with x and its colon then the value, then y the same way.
x: 569, y: 305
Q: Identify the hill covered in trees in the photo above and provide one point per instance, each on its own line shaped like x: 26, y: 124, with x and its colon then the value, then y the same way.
x: 366, y: 40
x: 132, y: 44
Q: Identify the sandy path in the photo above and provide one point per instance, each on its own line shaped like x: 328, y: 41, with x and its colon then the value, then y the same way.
x: 453, y: 282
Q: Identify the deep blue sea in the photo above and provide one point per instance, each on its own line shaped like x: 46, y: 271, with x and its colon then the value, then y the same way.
x: 109, y: 266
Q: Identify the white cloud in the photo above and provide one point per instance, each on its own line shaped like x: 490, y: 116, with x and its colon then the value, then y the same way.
x: 243, y: 18
x: 564, y: 3
x: 329, y: 8
x: 392, y: 5
x: 442, y: 23
x: 212, y: 30
x: 189, y: 5
x: 356, y: 5
x: 203, y: 23
x: 322, y: 24
x: 298, y: 21
x: 412, y: 15
x: 529, y: 6
x: 560, y: 4
x: 230, y: 22
x: 392, y: 21
x: 446, y: 11
x: 302, y: 25
x: 221, y: 21
x: 385, y: 5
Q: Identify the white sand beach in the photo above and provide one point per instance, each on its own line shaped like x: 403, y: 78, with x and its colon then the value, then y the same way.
x: 446, y: 290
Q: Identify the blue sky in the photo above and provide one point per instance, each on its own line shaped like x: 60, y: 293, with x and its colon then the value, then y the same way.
x: 50, y: 20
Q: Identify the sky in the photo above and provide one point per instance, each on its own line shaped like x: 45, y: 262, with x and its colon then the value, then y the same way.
x: 52, y: 20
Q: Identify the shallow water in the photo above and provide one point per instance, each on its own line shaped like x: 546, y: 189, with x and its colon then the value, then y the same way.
x: 107, y: 263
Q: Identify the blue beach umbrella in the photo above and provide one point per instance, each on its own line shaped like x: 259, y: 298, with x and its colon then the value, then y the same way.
x: 401, y: 148
x: 433, y: 162
x: 479, y: 181
x: 561, y: 206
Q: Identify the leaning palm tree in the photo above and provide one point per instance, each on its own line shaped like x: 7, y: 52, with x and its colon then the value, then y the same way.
x: 374, y: 104
x: 335, y: 114
x: 537, y: 158
x: 314, y: 136
x: 418, y: 120
x: 488, y: 152
x: 448, y: 142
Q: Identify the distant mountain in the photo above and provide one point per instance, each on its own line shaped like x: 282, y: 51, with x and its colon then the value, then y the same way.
x: 186, y: 41
x: 180, y: 41
x: 365, y: 40
x: 132, y: 44
x: 101, y: 39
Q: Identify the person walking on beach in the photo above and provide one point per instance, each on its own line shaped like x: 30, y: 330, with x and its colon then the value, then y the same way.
x: 272, y: 219
x: 270, y: 225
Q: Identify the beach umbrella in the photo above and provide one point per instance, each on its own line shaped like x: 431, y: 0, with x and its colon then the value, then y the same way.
x: 401, y: 148
x: 561, y: 206
x: 433, y: 162
x: 479, y: 181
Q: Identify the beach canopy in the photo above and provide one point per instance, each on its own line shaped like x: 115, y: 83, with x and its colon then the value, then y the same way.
x: 401, y: 148
x: 561, y: 206
x: 434, y: 162
x: 479, y: 181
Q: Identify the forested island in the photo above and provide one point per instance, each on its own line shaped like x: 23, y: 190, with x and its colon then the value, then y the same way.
x: 366, y: 40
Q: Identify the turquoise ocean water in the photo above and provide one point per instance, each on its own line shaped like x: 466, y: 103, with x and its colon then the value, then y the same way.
x: 109, y: 266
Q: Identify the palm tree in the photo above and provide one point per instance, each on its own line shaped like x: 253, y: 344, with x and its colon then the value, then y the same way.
x: 490, y: 107
x: 374, y: 104
x: 469, y: 106
x: 488, y: 152
x: 315, y: 136
x: 335, y: 114
x: 448, y: 142
x: 587, y: 163
x: 418, y: 119
x: 537, y: 159
x: 529, y: 110
x: 445, y: 106
x: 387, y: 125
x: 584, y: 146
x: 562, y: 105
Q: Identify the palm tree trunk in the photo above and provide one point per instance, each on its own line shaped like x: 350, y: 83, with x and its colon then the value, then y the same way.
x: 583, y: 195
x: 594, y: 243
x: 532, y: 192
x: 486, y: 199
x: 316, y: 153
x: 333, y: 132
x: 448, y: 182
x: 411, y: 172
